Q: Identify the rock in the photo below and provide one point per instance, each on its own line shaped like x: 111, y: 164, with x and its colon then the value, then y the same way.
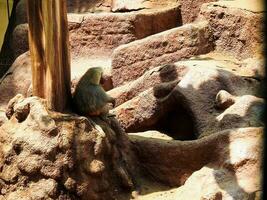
x: 191, y: 102
x: 224, y: 100
x: 190, y: 9
x: 154, y: 77
x: 21, y: 12
x: 70, y: 184
x: 218, y: 184
x: 3, y: 117
x: 243, y: 42
x: 96, y: 167
x: 17, y: 80
x: 247, y: 111
x: 19, y: 41
x: 11, y: 104
x: 35, y: 164
x: 30, y: 164
x: 102, y: 33
x: 22, y: 111
x: 127, y: 5
x: 43, y: 189
x: 93, y: 6
x: 132, y: 60
x: 151, y: 134
x: 210, y: 166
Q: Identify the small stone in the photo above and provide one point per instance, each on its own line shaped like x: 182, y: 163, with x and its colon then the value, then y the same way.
x: 50, y: 170
x: 22, y: 111
x: 224, y: 100
x: 11, y: 103
x: 70, y: 184
x: 96, y: 167
x: 30, y: 164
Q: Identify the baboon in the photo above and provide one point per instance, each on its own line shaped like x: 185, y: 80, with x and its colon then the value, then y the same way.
x: 89, y: 98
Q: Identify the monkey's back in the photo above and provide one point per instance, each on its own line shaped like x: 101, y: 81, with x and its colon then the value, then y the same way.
x: 89, y: 98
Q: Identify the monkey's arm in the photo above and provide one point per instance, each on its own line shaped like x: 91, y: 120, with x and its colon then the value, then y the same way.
x: 112, y: 100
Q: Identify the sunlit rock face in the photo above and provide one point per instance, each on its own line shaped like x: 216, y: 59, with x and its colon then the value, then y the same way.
x: 47, y: 155
x: 187, y: 77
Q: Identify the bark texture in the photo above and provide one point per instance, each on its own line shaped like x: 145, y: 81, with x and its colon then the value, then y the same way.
x: 48, y: 34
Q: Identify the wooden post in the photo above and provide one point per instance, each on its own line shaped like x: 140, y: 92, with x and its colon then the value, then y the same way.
x: 48, y: 41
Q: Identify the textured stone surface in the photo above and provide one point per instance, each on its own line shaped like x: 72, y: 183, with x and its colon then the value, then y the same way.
x: 90, y: 33
x: 17, y: 80
x: 190, y: 9
x: 127, y: 5
x: 101, y: 33
x: 194, y: 94
x: 224, y: 100
x: 50, y: 155
x: 19, y: 40
x: 151, y: 78
x: 172, y: 162
x: 242, y: 42
x: 130, y: 61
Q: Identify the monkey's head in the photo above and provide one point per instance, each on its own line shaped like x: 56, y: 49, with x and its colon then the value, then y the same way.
x: 94, y: 74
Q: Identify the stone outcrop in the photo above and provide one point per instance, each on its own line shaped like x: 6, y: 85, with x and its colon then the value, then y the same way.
x: 214, y: 160
x: 17, y: 80
x: 19, y: 42
x: 190, y: 9
x: 224, y: 18
x: 187, y: 77
x: 101, y: 33
x: 151, y: 78
x: 47, y: 155
x: 130, y: 61
x: 106, y: 31
x: 193, y: 99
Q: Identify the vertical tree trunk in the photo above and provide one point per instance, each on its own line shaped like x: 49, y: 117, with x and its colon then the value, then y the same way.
x: 48, y: 41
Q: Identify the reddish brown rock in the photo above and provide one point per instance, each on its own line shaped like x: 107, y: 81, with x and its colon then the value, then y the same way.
x: 224, y: 100
x: 151, y: 78
x: 17, y: 80
x: 89, y: 159
x: 242, y: 42
x: 190, y: 9
x: 99, y: 34
x: 193, y: 102
x: 173, y: 162
x: 236, y: 175
x: 19, y: 42
x: 92, y: 33
x: 130, y: 61
x: 84, y: 6
x: 127, y: 5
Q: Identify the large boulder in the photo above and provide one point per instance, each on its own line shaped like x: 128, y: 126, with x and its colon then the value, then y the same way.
x: 227, y: 163
x: 151, y: 78
x: 130, y: 61
x: 201, y: 100
x: 19, y: 41
x: 48, y: 155
x: 17, y: 79
x: 100, y: 33
x: 225, y: 16
x: 190, y: 9
x: 92, y: 33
